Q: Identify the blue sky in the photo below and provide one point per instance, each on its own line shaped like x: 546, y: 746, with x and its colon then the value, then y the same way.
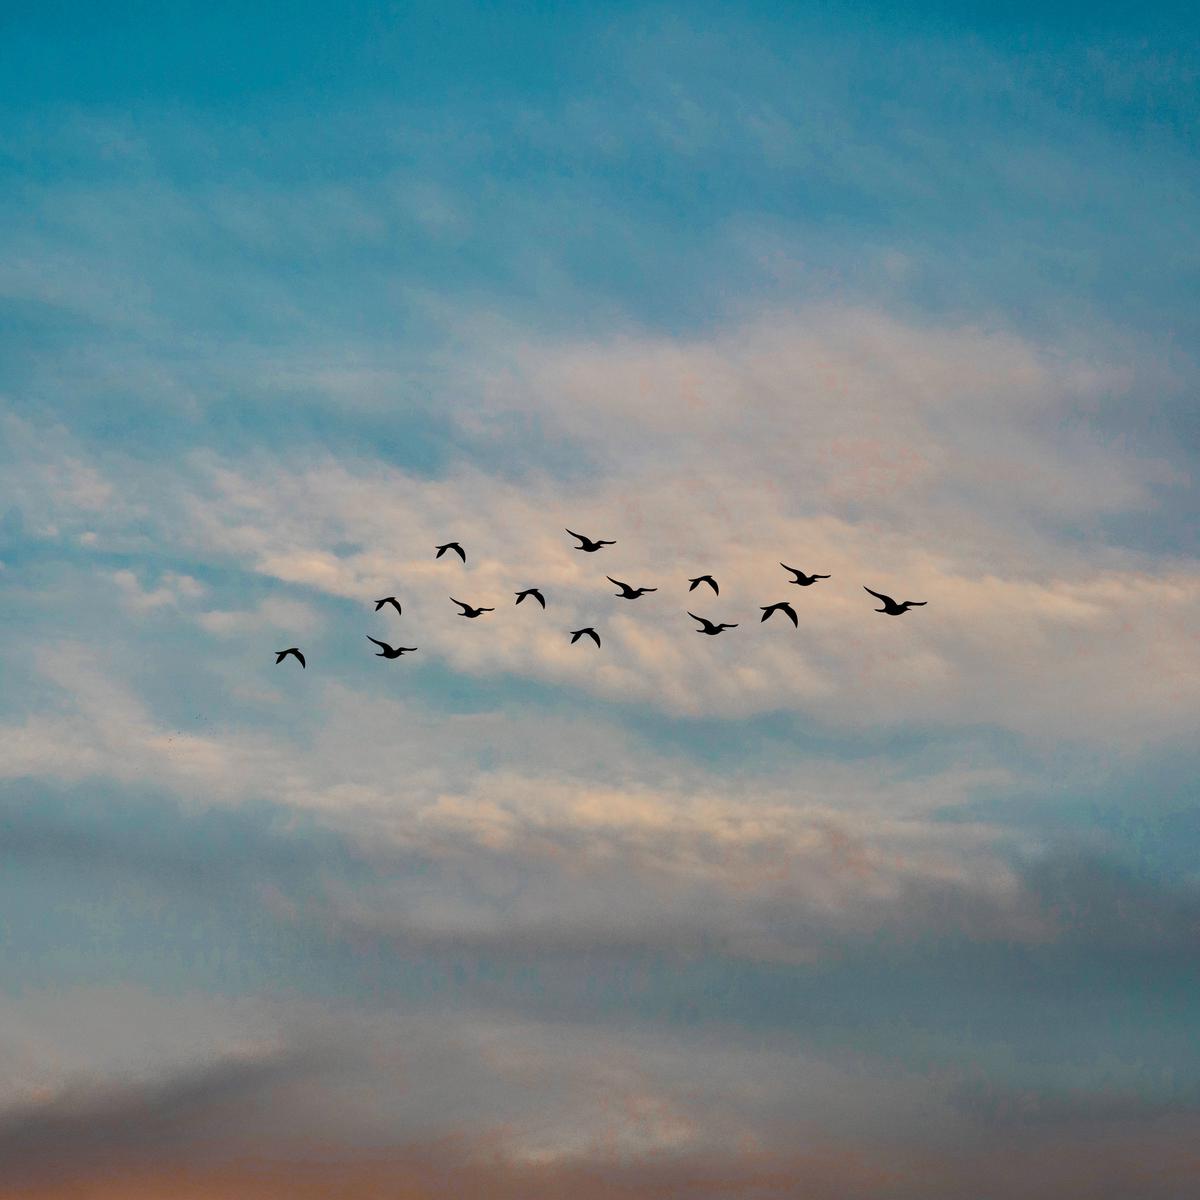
x: 871, y: 908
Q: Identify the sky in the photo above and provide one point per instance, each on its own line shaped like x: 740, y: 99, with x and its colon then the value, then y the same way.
x: 869, y: 909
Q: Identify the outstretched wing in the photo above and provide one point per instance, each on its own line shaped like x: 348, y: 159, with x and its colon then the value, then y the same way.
x: 594, y: 636
x: 916, y: 603
x: 459, y: 551
x: 379, y: 604
x: 460, y: 604
x: 792, y: 569
x: 791, y: 612
x: 878, y: 595
x: 693, y: 584
x: 576, y: 535
x: 300, y: 658
x: 539, y: 598
x: 381, y: 645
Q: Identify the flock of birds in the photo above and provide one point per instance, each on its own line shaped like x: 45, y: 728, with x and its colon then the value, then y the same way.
x: 589, y: 546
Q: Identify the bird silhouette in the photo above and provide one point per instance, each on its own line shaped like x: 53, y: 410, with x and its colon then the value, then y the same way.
x: 891, y: 607
x: 586, y: 544
x: 708, y: 627
x: 576, y: 634
x: 535, y: 593
x: 784, y: 607
x: 712, y: 583
x: 802, y: 579
x: 388, y: 600
x: 280, y: 655
x: 451, y: 546
x: 627, y: 592
x: 386, y: 651
x: 469, y: 611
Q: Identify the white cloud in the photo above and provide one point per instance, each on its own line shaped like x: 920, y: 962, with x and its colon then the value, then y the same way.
x: 173, y: 589
x: 941, y: 465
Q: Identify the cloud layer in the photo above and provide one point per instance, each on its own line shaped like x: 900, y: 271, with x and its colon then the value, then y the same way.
x: 874, y: 907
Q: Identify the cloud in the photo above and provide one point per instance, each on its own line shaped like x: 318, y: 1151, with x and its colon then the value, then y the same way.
x: 562, y: 855
x: 172, y: 590
x: 952, y: 467
x: 105, y: 1128
x: 269, y: 614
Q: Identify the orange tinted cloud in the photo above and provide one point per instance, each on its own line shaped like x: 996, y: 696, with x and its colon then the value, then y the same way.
x: 1153, y: 1164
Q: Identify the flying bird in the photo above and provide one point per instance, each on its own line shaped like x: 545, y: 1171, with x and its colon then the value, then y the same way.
x: 784, y: 607
x: 708, y: 627
x: 280, y: 655
x: 451, y: 546
x: 535, y: 593
x: 468, y: 611
x: 586, y: 544
x: 576, y: 634
x: 386, y: 651
x: 388, y: 600
x: 891, y: 607
x: 712, y: 583
x: 627, y: 592
x: 802, y: 579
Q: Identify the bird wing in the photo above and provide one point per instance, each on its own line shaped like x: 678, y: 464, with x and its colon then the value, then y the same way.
x: 576, y: 535
x: 379, y: 604
x: 878, y: 595
x: 539, y: 598
x: 696, y: 618
x: 594, y: 636
x: 381, y: 645
x: 300, y: 657
x: 459, y: 551
x: 617, y: 582
x: 792, y: 569
x: 460, y: 604
x: 767, y: 610
x: 791, y: 612
x: 693, y: 584
x: 916, y: 603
